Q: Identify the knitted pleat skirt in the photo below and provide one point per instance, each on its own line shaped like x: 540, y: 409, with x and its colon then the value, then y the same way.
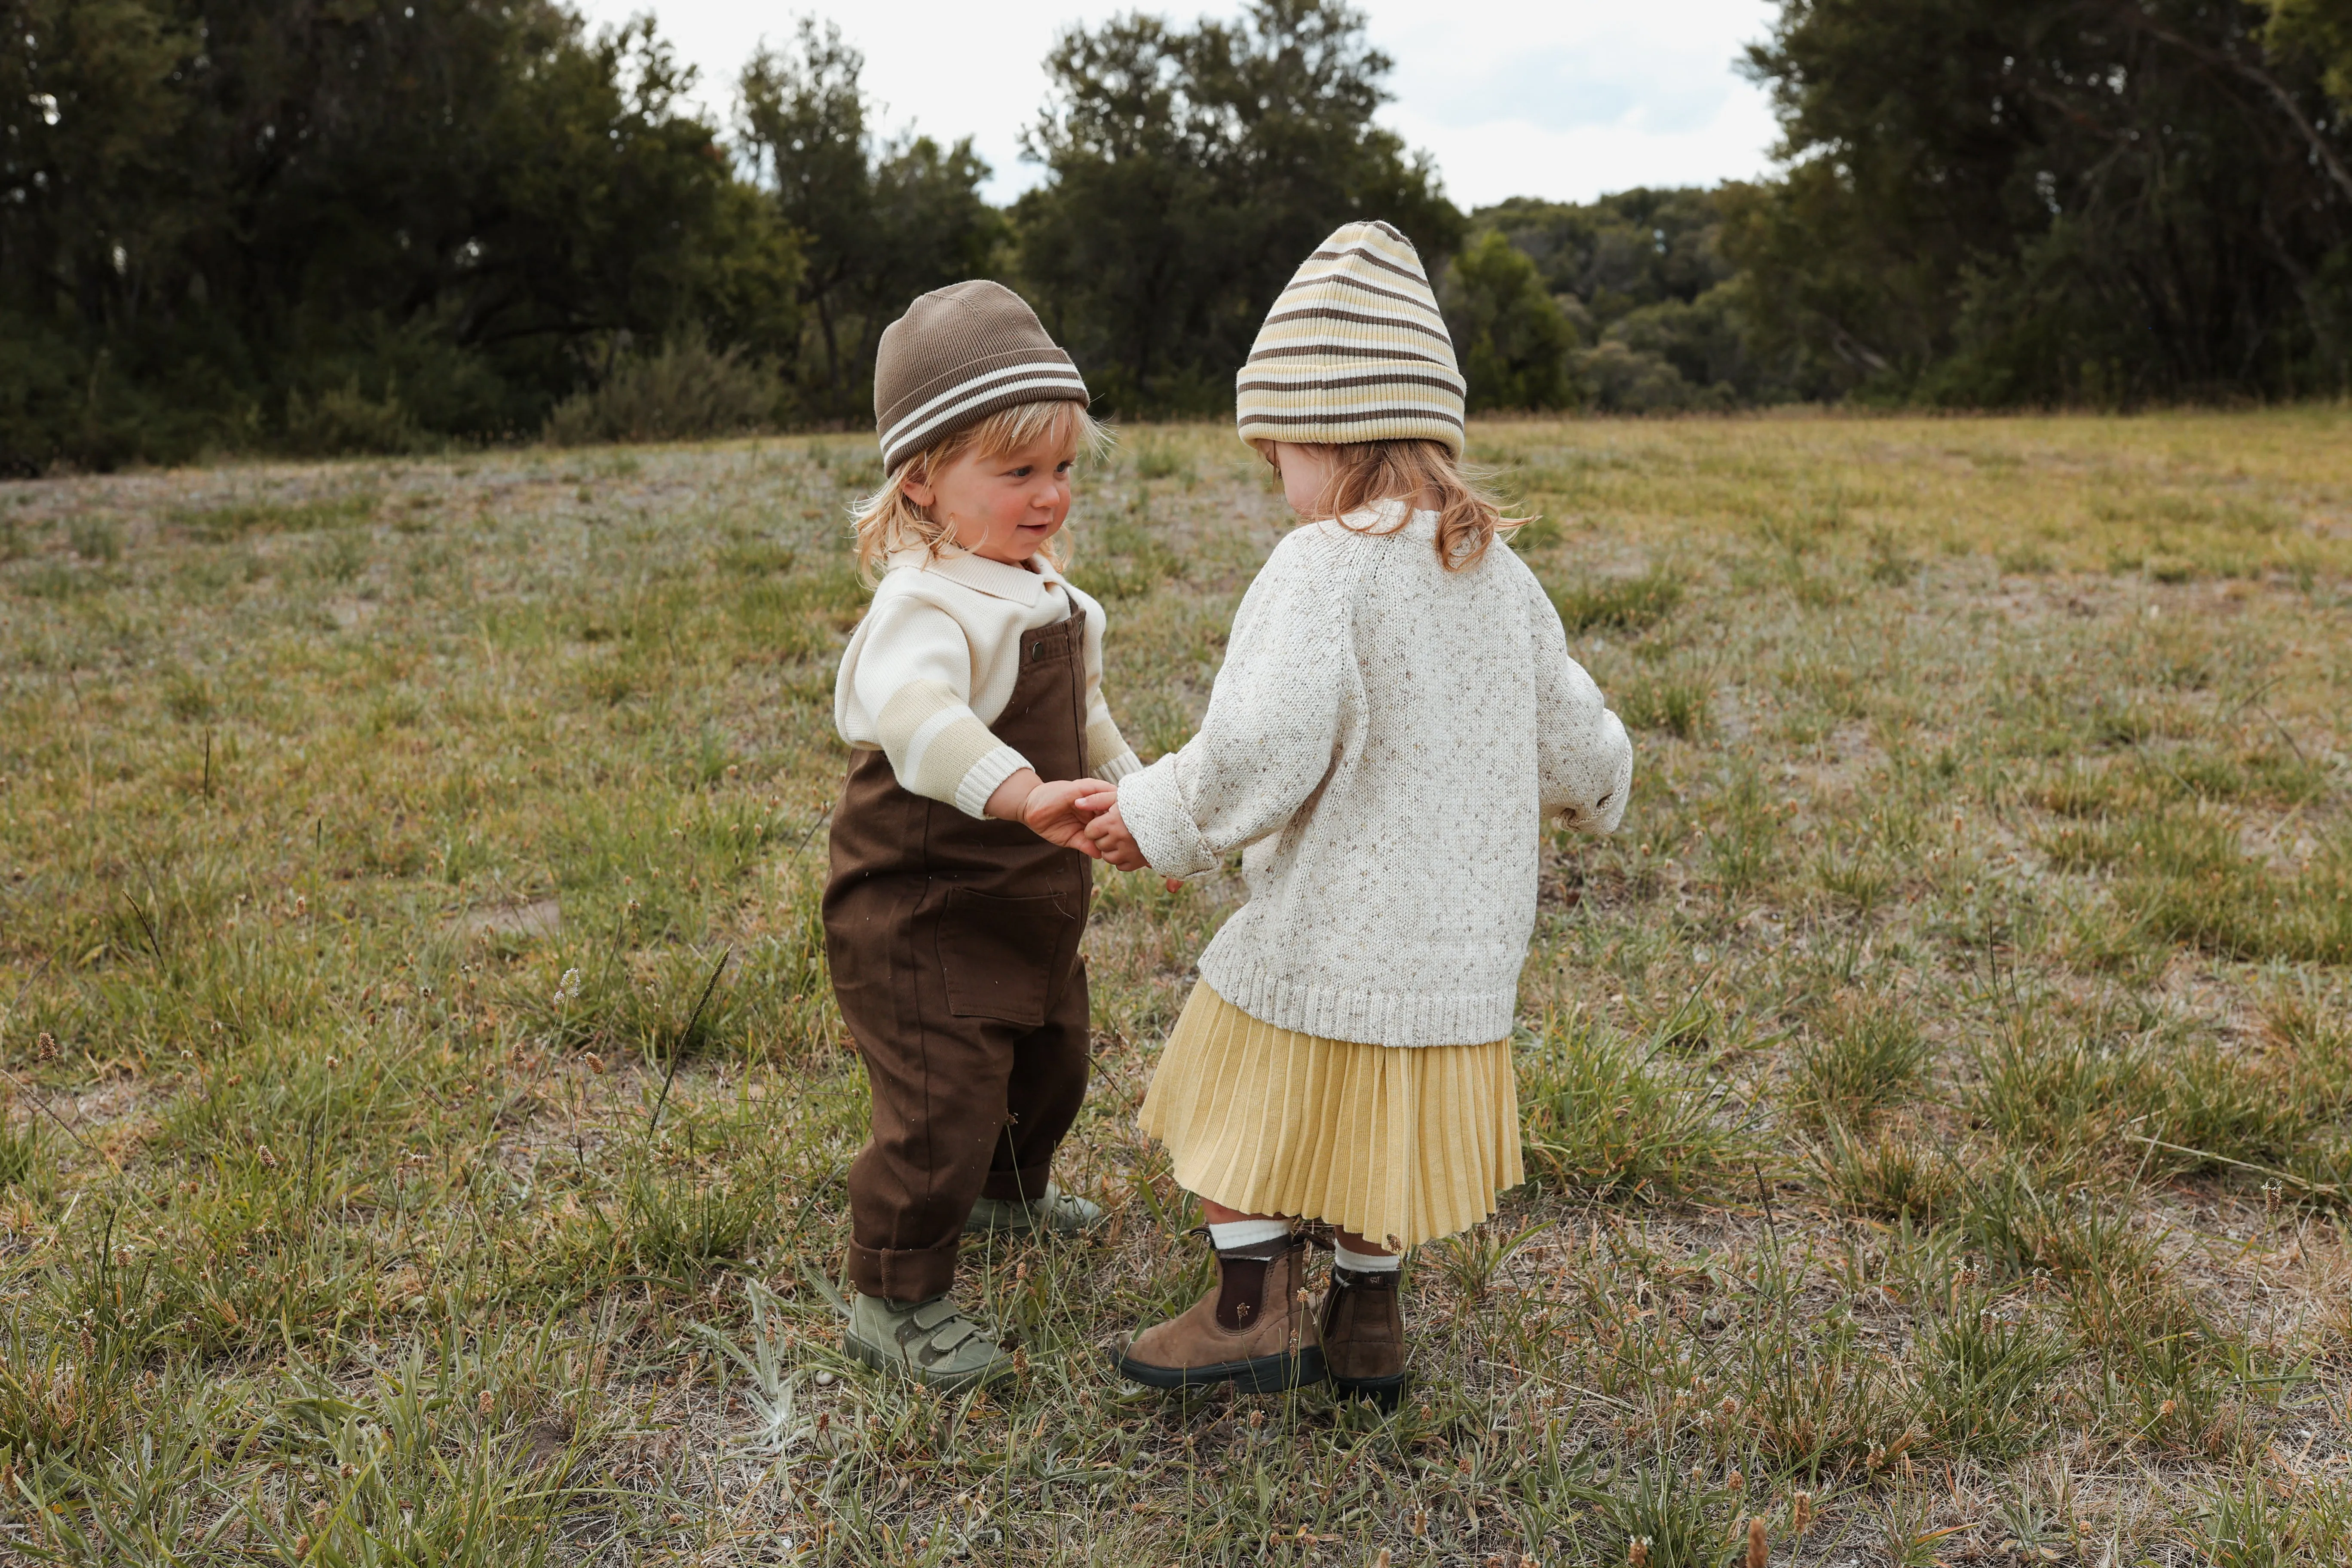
x: 1406, y: 1143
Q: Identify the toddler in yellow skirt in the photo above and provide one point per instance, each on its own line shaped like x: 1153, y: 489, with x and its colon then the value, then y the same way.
x: 1396, y: 720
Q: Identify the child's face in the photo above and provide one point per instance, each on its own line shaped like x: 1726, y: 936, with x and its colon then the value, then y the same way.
x: 1306, y: 475
x: 1003, y: 508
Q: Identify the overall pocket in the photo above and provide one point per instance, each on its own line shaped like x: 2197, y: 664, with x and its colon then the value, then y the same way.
x: 1000, y: 955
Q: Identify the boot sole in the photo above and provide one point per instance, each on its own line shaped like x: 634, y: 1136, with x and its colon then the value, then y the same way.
x: 1259, y: 1374
x: 1385, y: 1392
x: 881, y: 1360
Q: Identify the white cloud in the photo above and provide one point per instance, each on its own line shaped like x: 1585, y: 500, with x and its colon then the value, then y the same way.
x: 1565, y: 99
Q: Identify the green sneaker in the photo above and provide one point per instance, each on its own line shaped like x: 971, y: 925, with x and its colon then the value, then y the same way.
x: 935, y: 1342
x: 1061, y: 1212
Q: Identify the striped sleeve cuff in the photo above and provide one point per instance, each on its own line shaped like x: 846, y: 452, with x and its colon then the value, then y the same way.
x: 1118, y: 768
x: 939, y: 749
x: 980, y: 779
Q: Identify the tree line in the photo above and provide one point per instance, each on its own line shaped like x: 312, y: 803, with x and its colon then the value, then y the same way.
x: 386, y: 225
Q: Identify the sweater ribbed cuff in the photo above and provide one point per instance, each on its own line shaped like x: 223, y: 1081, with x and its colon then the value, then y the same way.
x: 980, y: 781
x: 1119, y: 767
x: 1153, y: 809
x: 1621, y: 783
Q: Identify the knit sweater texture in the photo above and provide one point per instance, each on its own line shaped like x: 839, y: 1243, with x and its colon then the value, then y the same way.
x: 1384, y: 742
x: 934, y: 662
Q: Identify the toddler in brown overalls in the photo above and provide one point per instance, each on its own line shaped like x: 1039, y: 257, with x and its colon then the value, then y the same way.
x: 972, y: 696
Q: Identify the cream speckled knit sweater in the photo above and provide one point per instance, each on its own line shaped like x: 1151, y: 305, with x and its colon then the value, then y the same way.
x: 1387, y: 738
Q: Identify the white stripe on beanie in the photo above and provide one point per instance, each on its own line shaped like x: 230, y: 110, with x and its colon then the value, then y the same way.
x: 911, y: 430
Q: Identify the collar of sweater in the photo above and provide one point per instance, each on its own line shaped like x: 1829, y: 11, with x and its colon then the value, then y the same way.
x: 1022, y: 584
x: 1379, y: 521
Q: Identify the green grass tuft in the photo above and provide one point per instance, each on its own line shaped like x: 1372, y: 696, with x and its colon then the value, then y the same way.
x: 1605, y: 1113
x: 1861, y: 1055
x: 1619, y: 604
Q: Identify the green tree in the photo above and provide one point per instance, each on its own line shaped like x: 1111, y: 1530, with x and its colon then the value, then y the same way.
x: 1641, y: 277
x: 2321, y: 29
x: 1622, y: 252
x: 444, y: 214
x: 1189, y: 172
x: 1513, y: 341
x: 1999, y: 201
x: 880, y: 222
x: 90, y: 194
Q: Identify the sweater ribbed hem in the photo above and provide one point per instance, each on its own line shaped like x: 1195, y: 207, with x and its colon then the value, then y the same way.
x: 981, y: 780
x: 1153, y: 810
x: 1368, y: 1017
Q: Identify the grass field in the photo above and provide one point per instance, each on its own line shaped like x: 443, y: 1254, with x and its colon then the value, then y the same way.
x: 425, y: 1115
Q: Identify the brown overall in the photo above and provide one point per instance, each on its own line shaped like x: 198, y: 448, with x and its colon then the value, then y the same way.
x: 955, y: 946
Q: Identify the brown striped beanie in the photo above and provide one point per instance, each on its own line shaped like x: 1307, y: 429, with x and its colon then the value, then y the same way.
x: 957, y: 355
x: 1354, y: 350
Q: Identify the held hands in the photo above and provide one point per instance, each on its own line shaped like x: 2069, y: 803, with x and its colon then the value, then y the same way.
x: 1054, y: 813
x: 1110, y: 837
x: 1048, y: 810
x: 1075, y: 814
x: 1107, y: 831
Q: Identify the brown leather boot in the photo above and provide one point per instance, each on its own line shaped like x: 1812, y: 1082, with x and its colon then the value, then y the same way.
x: 1363, y: 1335
x: 1252, y: 1328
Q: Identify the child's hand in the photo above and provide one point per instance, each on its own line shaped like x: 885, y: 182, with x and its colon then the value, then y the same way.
x: 1056, y: 812
x: 1112, y: 840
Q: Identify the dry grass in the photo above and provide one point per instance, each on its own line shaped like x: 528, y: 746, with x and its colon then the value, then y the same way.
x: 1936, y: 1095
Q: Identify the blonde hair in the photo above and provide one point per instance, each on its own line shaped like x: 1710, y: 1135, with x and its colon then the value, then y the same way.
x: 888, y: 520
x: 1470, y: 516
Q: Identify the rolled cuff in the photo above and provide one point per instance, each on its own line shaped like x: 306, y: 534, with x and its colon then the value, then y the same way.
x: 1607, y: 811
x: 1153, y: 809
x: 914, y: 1274
x: 980, y: 780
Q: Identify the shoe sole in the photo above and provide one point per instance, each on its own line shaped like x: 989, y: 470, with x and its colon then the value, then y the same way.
x: 882, y: 1360
x: 1385, y: 1392
x: 1259, y: 1374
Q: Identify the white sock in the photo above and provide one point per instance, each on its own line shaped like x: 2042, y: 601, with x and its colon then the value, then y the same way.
x: 1246, y: 1233
x: 1365, y: 1262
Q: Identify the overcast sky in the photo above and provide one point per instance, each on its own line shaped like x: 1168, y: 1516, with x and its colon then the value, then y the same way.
x: 1563, y: 99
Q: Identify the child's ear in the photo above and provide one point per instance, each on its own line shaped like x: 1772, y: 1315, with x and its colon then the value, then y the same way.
x: 918, y: 491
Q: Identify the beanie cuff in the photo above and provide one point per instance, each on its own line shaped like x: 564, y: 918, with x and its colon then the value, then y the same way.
x: 978, y: 390
x: 1406, y: 401
x: 1314, y: 430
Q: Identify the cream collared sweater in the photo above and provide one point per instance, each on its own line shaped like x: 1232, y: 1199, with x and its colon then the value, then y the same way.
x: 1387, y: 738
x: 934, y: 662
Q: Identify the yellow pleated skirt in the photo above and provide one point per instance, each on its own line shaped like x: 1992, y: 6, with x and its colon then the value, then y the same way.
x: 1405, y: 1144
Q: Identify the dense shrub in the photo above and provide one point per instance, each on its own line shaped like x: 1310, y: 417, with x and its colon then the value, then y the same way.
x: 683, y: 391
